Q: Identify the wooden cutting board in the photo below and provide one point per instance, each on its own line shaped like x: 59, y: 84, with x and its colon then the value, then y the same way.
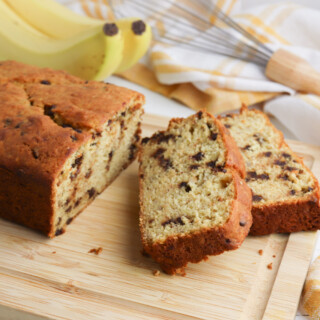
x: 59, y: 279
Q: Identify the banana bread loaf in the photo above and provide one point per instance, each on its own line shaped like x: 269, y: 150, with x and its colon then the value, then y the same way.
x: 62, y: 142
x: 285, y: 193
x: 193, y: 201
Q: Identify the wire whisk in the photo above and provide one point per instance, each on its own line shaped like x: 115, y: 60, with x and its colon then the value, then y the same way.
x: 200, y: 25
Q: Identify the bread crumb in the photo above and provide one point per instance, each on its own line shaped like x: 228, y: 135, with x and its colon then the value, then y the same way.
x: 274, y: 256
x: 53, y: 252
x: 95, y: 250
x: 145, y: 254
x: 260, y: 252
x: 156, y: 273
x: 269, y: 266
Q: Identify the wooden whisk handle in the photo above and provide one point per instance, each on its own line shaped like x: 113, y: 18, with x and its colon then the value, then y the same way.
x: 293, y: 71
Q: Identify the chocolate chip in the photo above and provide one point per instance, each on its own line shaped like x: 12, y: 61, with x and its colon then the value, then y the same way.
x: 93, y: 144
x: 283, y: 177
x: 209, y: 125
x: 174, y: 221
x: 75, y: 174
x: 279, y: 163
x: 290, y: 168
x: 58, y: 232
x: 161, y: 137
x: 242, y: 224
x: 185, y: 185
x: 213, y: 136
x: 199, y: 114
x: 256, y: 197
x: 227, y: 126
x: 110, y: 29
x: 7, y: 121
x: 109, y: 122
x: 286, y: 155
x: 259, y: 139
x: 77, y: 202
x: 73, y: 138
x: 138, y: 27
x: 69, y: 220
x: 292, y: 192
x: 150, y: 221
x: 247, y: 147
x: 123, y: 114
x: 69, y: 209
x: 48, y: 110
x: 165, y: 163
x: 121, y: 124
x: 18, y: 125
x: 46, y: 82
x: 67, y: 202
x: 220, y: 169
x: 145, y: 140
x: 252, y: 175
x: 35, y: 153
x: 228, y: 241
x: 268, y: 154
x: 158, y: 152
x: 77, y: 162
x: 229, y: 115
x: 132, y: 153
x: 212, y: 164
x: 110, y: 154
x: 198, y: 156
x: 88, y: 174
x: 91, y: 192
x: 194, y: 167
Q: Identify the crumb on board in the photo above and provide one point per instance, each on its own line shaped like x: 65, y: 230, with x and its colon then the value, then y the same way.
x: 274, y: 256
x: 95, y: 250
x: 269, y: 266
x: 260, y: 252
x: 145, y: 254
x: 156, y: 273
x: 53, y: 252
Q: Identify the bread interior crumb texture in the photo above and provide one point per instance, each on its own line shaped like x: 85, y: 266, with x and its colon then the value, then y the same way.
x: 274, y: 172
x: 185, y: 186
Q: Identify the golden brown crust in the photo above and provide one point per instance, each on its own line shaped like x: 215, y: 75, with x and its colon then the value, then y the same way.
x: 175, y: 253
x: 45, y: 117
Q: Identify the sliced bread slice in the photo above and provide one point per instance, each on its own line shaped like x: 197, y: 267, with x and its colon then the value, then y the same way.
x: 285, y: 192
x: 193, y: 200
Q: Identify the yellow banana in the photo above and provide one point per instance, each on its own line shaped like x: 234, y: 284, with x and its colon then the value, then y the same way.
x: 59, y: 22
x: 93, y: 54
x: 137, y: 38
x: 52, y: 18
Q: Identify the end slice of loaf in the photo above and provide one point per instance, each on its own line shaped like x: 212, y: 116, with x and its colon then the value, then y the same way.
x: 285, y: 192
x: 193, y: 200
x: 62, y: 142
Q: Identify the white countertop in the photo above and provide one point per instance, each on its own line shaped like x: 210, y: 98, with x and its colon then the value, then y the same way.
x: 160, y: 105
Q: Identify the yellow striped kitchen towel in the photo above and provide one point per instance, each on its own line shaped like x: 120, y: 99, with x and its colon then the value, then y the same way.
x: 219, y: 83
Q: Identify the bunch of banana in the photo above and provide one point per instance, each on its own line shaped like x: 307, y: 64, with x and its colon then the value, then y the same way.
x: 47, y: 34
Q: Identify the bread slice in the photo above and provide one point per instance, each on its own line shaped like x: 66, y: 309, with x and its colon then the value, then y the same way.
x: 193, y: 201
x: 62, y: 142
x: 285, y: 192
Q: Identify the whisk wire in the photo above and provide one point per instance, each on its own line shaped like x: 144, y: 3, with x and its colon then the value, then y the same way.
x: 201, y: 34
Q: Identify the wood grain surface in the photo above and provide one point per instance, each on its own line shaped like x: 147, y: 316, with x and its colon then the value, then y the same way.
x: 59, y: 279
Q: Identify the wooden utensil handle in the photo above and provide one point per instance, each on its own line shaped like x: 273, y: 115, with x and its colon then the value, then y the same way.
x: 293, y: 71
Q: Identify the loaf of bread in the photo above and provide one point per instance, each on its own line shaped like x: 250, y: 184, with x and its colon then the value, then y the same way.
x: 193, y: 201
x: 62, y: 142
x: 285, y: 193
